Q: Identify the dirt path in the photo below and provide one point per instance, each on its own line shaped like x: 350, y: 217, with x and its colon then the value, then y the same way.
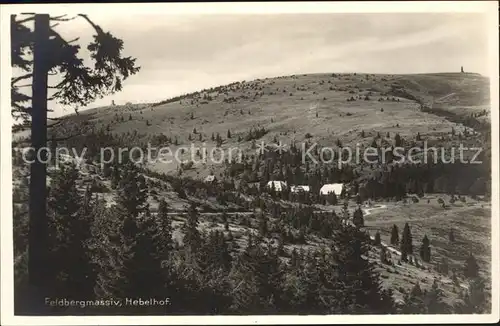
x: 444, y: 97
x: 368, y: 211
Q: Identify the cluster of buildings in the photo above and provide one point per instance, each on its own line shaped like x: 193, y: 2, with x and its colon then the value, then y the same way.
x: 326, y: 189
x: 279, y: 186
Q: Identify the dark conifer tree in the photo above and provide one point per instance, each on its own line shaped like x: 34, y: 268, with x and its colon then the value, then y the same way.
x: 435, y: 300
x: 70, y: 220
x: 397, y: 140
x: 443, y: 266
x: 143, y: 271
x: 357, y: 218
x: 258, y: 278
x: 333, y: 198
x: 451, y: 236
x: 192, y: 236
x: 315, y: 294
x: 357, y: 282
x: 263, y: 226
x: 115, y: 176
x: 130, y: 262
x: 225, y: 220
x: 471, y: 268
x: 165, y: 231
x: 394, y: 235
x: 383, y: 255
x: 132, y: 190
x: 474, y: 300
x: 406, y: 243
x: 215, y: 253
x: 377, y: 240
x: 414, y: 301
x: 425, y: 249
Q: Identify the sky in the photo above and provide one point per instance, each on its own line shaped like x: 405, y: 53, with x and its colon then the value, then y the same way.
x: 183, y: 53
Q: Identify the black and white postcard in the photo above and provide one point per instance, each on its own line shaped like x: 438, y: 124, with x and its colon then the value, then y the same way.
x: 249, y: 163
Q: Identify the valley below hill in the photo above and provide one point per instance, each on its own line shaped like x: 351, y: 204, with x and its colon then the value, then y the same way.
x: 270, y: 123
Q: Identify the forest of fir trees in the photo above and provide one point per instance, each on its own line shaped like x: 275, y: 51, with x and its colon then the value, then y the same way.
x: 126, y: 251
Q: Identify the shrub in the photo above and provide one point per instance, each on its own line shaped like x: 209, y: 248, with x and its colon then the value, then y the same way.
x: 99, y: 187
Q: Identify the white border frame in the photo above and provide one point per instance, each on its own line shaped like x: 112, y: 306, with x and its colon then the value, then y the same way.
x: 7, y: 305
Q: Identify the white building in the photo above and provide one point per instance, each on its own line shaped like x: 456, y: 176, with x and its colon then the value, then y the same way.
x: 299, y: 189
x: 278, y: 185
x: 332, y: 187
x: 210, y: 179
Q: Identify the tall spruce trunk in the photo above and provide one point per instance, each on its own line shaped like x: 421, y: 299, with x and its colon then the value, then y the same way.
x: 38, y: 223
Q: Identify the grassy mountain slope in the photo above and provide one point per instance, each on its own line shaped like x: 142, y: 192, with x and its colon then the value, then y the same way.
x: 326, y: 106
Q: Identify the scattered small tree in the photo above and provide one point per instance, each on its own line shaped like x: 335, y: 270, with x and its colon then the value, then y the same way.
x: 406, y: 243
x: 425, y: 249
x: 443, y: 267
x: 471, y: 268
x: 394, y: 235
x: 383, y: 256
x: 377, y: 240
x: 451, y: 236
x: 357, y: 218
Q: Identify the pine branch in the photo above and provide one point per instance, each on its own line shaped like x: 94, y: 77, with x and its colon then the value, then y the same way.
x: 60, y: 38
x: 25, y: 85
x: 61, y: 18
x: 25, y: 20
x: 17, y: 79
x: 97, y: 28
